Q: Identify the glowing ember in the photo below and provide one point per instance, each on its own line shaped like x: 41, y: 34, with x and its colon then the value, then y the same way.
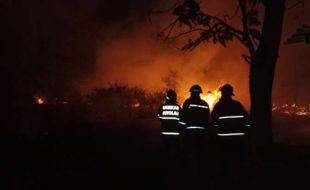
x: 135, y: 105
x: 39, y: 100
x: 291, y: 110
x: 212, y: 98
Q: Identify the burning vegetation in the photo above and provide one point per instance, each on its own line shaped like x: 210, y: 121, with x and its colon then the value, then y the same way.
x: 212, y: 98
x: 122, y: 103
x: 292, y: 109
x: 39, y: 100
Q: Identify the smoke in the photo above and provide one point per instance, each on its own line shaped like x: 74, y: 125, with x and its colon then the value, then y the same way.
x: 54, y: 45
x: 129, y: 52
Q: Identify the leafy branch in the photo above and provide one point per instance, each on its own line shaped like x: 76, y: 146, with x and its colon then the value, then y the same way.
x: 210, y: 28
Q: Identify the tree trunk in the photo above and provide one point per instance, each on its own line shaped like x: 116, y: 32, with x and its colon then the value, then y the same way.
x: 262, y: 73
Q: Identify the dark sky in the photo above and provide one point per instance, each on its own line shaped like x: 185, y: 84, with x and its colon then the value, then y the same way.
x: 65, y: 44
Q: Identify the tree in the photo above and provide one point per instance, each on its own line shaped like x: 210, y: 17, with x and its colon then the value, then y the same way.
x: 262, y: 39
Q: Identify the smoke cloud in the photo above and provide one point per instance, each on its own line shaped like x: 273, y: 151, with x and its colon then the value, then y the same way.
x: 129, y: 52
x: 55, y: 45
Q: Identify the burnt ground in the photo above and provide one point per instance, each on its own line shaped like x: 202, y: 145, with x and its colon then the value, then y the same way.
x: 105, y: 156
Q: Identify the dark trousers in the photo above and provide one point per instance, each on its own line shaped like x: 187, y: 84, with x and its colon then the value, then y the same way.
x: 171, y: 145
x: 198, y: 159
x: 232, y: 161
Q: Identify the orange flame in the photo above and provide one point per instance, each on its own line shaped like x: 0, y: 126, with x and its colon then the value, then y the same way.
x: 294, y: 109
x: 135, y: 105
x: 211, y: 98
x: 39, y: 100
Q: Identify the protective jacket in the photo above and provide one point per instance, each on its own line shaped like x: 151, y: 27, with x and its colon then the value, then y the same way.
x: 169, y: 115
x: 195, y: 114
x: 230, y: 118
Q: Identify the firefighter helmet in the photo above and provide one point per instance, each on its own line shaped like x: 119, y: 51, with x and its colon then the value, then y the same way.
x: 227, y: 89
x: 196, y: 88
x: 171, y: 95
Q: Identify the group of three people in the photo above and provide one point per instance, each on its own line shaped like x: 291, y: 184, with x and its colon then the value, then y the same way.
x: 228, y: 119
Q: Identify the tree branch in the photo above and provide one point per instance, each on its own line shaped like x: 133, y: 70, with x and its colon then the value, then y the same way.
x: 210, y: 30
x: 170, y: 30
x: 294, y: 5
x: 213, y: 30
x: 247, y: 59
x: 239, y: 38
x: 233, y: 15
x: 225, y: 24
x: 246, y: 34
x: 169, y: 27
x: 212, y: 27
x: 187, y: 32
x: 152, y: 11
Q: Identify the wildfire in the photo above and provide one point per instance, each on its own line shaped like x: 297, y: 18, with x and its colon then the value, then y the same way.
x: 292, y: 109
x: 135, y: 105
x: 39, y: 100
x: 212, y: 98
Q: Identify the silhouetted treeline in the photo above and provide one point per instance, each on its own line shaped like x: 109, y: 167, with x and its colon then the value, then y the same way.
x: 122, y: 103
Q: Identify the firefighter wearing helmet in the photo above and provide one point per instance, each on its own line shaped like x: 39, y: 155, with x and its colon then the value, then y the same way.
x: 169, y: 115
x: 229, y: 116
x: 194, y: 122
x: 195, y: 114
x: 231, y: 123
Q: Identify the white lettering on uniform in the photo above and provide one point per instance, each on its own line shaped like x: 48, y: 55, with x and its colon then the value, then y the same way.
x: 170, y: 107
x: 170, y: 113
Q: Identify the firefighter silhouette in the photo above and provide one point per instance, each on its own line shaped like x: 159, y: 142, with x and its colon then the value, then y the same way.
x: 194, y: 122
x: 229, y: 116
x: 169, y: 115
x: 231, y: 124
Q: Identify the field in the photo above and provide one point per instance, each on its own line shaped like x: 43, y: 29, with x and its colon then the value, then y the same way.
x: 64, y: 151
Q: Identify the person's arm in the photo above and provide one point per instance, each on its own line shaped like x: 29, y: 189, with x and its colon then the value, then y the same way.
x: 207, y: 114
x: 214, y: 116
x: 246, y: 116
x: 183, y: 111
x: 160, y: 111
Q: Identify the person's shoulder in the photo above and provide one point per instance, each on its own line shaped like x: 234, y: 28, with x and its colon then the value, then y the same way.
x: 203, y: 102
x: 237, y: 103
x: 217, y: 104
x: 187, y: 101
x: 176, y: 104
